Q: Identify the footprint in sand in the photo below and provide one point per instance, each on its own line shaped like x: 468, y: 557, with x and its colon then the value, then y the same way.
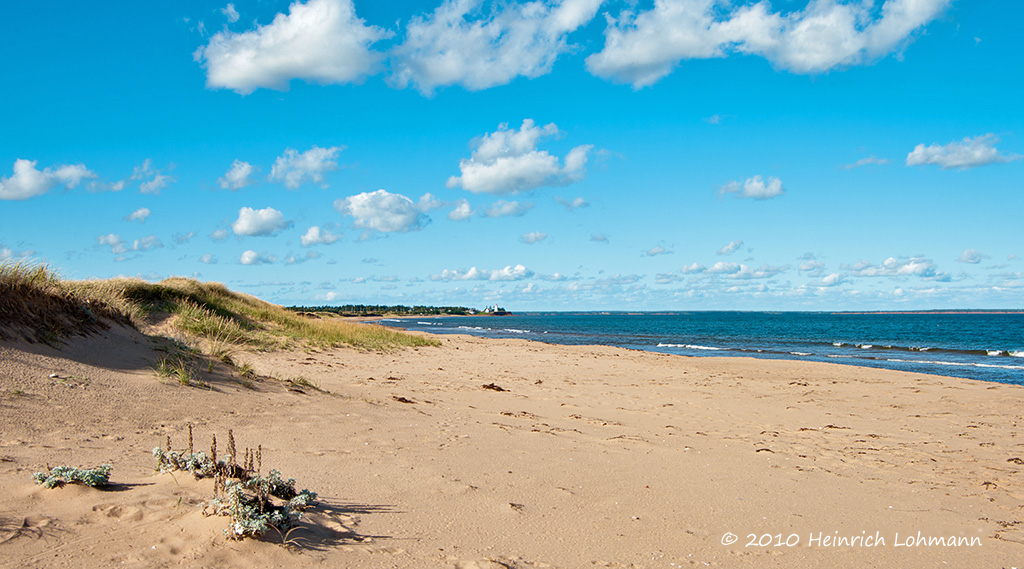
x: 120, y: 512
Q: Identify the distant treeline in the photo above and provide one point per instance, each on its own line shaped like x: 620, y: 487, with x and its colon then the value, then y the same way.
x: 381, y: 309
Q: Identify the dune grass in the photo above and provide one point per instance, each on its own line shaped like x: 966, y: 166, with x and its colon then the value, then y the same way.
x: 44, y: 307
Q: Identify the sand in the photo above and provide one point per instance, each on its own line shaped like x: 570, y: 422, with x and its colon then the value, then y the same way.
x: 589, y: 457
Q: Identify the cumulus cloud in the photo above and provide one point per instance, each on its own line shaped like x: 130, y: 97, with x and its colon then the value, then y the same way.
x: 219, y: 235
x: 641, y: 48
x: 599, y: 238
x: 386, y: 212
x: 259, y: 222
x: 116, y: 244
x: 972, y: 256
x: 28, y: 182
x: 656, y: 250
x: 730, y: 248
x: 238, y: 176
x: 755, y: 188
x: 139, y: 215
x: 508, y: 162
x: 830, y: 280
x: 461, y: 211
x: 502, y: 208
x: 968, y: 153
x: 320, y: 41
x: 812, y: 266
x: 572, y: 204
x: 450, y: 47
x: 208, y: 259
x: 509, y: 273
x: 316, y: 236
x: 693, y: 268
x: 294, y: 168
x: 534, y: 237
x: 866, y: 161
x: 898, y: 267
x: 251, y: 257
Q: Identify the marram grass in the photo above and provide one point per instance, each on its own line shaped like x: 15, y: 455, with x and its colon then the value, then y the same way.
x: 44, y: 307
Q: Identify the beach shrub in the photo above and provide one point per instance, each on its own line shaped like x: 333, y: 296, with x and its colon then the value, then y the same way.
x: 255, y: 503
x: 61, y: 475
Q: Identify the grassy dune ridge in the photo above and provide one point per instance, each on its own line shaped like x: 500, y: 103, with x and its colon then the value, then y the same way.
x: 38, y: 305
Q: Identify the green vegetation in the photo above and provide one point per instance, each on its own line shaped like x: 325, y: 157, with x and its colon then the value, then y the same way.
x: 45, y: 308
x: 255, y: 503
x: 61, y: 475
x: 381, y: 310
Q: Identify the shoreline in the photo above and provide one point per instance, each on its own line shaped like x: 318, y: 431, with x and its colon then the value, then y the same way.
x: 993, y: 366
x: 588, y: 456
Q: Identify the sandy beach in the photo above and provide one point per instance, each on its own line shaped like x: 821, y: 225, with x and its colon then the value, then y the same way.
x: 506, y: 453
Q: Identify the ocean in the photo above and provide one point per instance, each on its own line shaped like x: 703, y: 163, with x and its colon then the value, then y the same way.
x: 988, y: 347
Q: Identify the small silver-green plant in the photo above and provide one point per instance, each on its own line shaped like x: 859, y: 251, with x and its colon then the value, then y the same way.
x: 61, y: 475
x: 255, y: 503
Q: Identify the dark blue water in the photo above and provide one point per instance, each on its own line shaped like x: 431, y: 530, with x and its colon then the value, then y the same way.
x: 988, y: 347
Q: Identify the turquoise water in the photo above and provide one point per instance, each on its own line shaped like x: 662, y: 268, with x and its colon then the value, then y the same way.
x: 988, y: 347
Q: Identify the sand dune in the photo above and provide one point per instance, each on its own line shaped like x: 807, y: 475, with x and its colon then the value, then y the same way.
x: 587, y: 457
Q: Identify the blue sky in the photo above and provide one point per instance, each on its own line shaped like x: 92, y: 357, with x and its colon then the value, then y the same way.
x: 573, y: 155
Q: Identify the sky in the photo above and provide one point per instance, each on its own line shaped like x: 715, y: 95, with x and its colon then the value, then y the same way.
x: 547, y: 155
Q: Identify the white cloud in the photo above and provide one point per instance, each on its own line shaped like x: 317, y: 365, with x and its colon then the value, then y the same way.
x: 320, y: 41
x: 832, y: 279
x: 8, y: 254
x: 181, y: 239
x: 293, y: 168
x: 730, y: 248
x: 153, y: 180
x: 508, y: 162
x: 238, y: 176
x: 762, y: 272
x: 28, y: 182
x: 387, y: 212
x: 219, y: 235
x: 263, y: 222
x: 509, y: 273
x: 462, y: 211
x: 810, y: 265
x: 119, y: 246
x: 316, y: 236
x: 754, y: 188
x: 894, y: 268
x: 251, y: 257
x: 516, y: 39
x: 572, y: 204
x: 147, y: 243
x: 972, y: 256
x: 139, y: 215
x: 208, y: 259
x: 968, y: 153
x: 502, y: 208
x: 656, y: 250
x: 116, y: 244
x: 642, y: 48
x: 694, y: 268
x: 723, y: 268
x: 230, y: 13
x: 866, y: 161
x: 599, y: 238
x: 534, y: 237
